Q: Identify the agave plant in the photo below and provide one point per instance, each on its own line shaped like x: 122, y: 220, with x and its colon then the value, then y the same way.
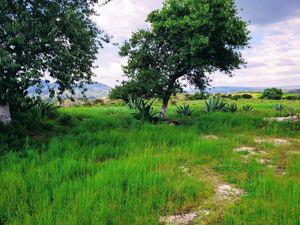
x: 142, y: 109
x: 230, y: 108
x: 43, y: 109
x: 247, y: 108
x: 279, y: 107
x: 214, y: 104
x: 184, y: 110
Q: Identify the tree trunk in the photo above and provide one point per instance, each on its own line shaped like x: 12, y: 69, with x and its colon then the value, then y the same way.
x: 5, y: 117
x: 164, y: 107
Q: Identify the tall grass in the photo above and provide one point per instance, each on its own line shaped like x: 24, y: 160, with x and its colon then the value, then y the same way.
x: 111, y: 169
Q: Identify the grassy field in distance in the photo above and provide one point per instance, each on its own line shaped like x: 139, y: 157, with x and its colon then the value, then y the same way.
x: 113, y: 170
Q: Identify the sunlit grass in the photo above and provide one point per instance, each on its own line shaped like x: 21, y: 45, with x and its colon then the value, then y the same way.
x: 110, y: 169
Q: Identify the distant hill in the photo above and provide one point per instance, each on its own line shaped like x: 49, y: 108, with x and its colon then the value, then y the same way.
x: 235, y: 89
x: 294, y: 91
x: 232, y: 89
x: 94, y: 91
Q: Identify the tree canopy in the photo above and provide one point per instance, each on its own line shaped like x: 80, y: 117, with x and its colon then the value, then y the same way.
x: 272, y: 93
x: 45, y: 40
x: 188, y: 40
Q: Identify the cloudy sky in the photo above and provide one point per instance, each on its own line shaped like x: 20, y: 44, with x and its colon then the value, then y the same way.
x: 273, y: 59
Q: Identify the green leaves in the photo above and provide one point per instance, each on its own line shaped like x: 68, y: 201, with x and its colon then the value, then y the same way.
x: 53, y: 38
x: 142, y: 109
x: 188, y: 40
x: 184, y: 110
x: 214, y: 104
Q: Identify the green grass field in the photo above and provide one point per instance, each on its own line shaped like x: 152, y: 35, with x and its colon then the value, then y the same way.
x: 107, y: 168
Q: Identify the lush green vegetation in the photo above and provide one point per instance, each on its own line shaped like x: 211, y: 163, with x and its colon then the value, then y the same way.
x: 99, y: 165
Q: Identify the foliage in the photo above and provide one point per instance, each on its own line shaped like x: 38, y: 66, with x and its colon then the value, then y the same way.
x: 226, y: 96
x: 107, y: 164
x: 184, y: 110
x: 41, y: 39
x: 127, y: 89
x: 42, y: 109
x: 197, y: 96
x: 236, y: 97
x: 272, y: 93
x: 247, y: 96
x: 214, y: 104
x: 291, y: 97
x: 142, y: 109
x: 188, y: 39
x: 230, y: 108
x: 247, y: 108
x: 279, y: 107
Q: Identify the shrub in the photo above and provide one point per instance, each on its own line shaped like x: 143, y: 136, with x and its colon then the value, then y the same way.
x: 184, y: 110
x: 225, y: 96
x: 230, y: 108
x: 292, y: 97
x: 236, y: 97
x: 64, y: 120
x: 197, y: 96
x: 272, y: 93
x: 247, y: 108
x: 279, y: 107
x: 214, y: 104
x: 247, y: 96
x: 142, y: 110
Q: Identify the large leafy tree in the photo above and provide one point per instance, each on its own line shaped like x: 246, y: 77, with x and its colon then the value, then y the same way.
x: 188, y: 40
x: 43, y: 40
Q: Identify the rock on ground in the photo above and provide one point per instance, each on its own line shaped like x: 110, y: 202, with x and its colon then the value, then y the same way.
x: 277, y: 141
x: 250, y: 150
x: 226, y: 191
x: 182, y: 219
x: 281, y: 142
x: 283, y: 119
x: 211, y: 137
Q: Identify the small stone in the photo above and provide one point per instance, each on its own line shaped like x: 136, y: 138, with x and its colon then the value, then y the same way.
x: 263, y: 161
x: 245, y: 149
x: 226, y: 191
x: 184, y: 169
x: 181, y: 219
x: 281, y: 142
x: 212, y: 137
x: 259, y: 141
x: 293, y: 119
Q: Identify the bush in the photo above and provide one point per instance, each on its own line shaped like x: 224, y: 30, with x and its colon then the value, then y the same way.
x: 236, y: 97
x: 247, y: 96
x: 142, y: 110
x: 65, y: 120
x: 214, y: 104
x: 197, y: 96
x: 184, y: 110
x: 292, y: 97
x: 230, y: 108
x: 225, y: 96
x: 272, y: 93
x: 247, y: 108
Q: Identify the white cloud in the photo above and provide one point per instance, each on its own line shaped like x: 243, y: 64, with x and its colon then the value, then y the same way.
x: 273, y: 59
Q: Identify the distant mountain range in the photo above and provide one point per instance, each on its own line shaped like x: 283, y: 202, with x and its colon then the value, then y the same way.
x: 98, y: 90
x: 234, y: 89
x: 94, y: 91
